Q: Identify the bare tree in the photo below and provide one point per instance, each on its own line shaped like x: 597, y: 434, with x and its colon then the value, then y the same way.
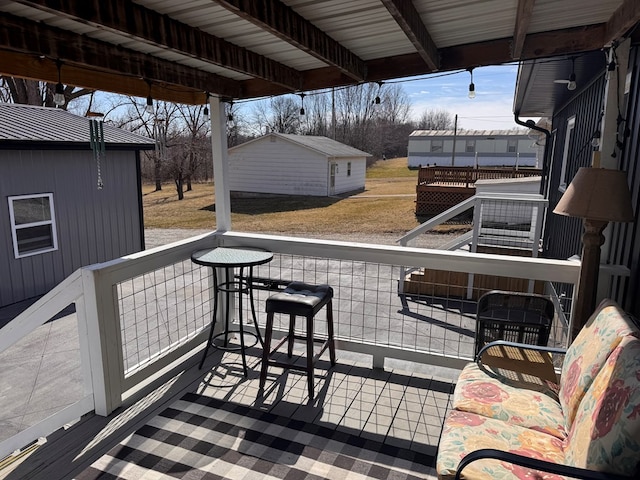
x: 436, y: 119
x: 196, y: 128
x: 279, y: 114
x: 33, y: 92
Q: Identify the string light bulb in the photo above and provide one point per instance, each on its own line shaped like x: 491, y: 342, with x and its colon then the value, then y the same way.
x: 376, y: 101
x: 230, y: 116
x: 58, y: 96
x: 149, y: 107
x: 472, y: 86
x: 302, y: 95
x: 572, y: 78
x: 205, y: 111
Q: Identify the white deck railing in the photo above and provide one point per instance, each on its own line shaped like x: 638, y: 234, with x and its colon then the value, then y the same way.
x: 140, y: 313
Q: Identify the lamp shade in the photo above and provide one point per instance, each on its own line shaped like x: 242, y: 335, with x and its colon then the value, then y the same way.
x: 597, y: 194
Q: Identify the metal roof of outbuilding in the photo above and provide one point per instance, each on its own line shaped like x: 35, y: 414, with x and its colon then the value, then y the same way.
x: 323, y: 145
x: 468, y: 133
x: 28, y: 123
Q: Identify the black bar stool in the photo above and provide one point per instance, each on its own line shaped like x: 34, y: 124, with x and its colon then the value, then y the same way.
x: 304, y: 300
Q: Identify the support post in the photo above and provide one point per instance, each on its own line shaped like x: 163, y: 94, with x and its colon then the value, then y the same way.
x: 220, y: 163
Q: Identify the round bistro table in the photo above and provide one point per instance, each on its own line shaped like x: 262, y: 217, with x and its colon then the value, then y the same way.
x: 231, y: 259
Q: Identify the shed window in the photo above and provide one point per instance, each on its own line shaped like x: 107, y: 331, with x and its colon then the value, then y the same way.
x: 436, y: 145
x: 348, y: 169
x: 33, y: 226
x: 470, y: 146
x: 512, y: 145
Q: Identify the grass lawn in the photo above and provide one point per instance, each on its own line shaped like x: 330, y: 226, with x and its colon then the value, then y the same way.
x: 387, y: 205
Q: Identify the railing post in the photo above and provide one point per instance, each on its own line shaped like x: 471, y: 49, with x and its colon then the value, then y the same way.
x: 477, y: 216
x: 103, y: 340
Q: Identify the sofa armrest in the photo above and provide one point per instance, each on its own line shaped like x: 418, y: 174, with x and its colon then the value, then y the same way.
x: 520, y: 358
x: 535, y: 464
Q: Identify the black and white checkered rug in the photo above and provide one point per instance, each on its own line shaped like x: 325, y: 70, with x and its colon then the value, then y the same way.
x: 205, y: 439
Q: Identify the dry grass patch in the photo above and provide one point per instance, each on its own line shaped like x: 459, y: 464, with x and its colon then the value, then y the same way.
x: 386, y: 206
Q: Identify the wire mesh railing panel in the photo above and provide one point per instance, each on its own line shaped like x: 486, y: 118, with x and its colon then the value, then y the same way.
x: 162, y: 309
x: 435, y: 314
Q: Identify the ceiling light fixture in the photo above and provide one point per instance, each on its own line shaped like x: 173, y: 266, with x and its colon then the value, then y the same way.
x: 58, y: 96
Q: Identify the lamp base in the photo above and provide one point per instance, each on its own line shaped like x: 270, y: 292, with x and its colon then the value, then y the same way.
x: 585, y: 300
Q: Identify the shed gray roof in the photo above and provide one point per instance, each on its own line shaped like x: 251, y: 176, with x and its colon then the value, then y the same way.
x: 468, y: 133
x: 323, y: 145
x: 28, y: 123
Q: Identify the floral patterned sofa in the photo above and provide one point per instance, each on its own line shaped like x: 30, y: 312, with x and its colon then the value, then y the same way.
x: 505, y: 425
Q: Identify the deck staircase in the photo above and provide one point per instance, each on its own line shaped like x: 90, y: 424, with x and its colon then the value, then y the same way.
x: 504, y: 224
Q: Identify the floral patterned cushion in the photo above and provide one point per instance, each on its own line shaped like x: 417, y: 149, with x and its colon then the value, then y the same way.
x: 490, y: 394
x: 588, y: 353
x: 606, y: 432
x: 465, y: 432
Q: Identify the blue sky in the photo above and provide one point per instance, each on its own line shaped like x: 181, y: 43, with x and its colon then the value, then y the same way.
x: 491, y: 109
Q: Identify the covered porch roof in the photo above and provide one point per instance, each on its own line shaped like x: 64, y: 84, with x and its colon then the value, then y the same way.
x: 179, y: 52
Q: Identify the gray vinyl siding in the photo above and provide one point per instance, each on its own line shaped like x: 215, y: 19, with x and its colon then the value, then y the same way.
x: 92, y: 225
x: 625, y: 237
x: 562, y: 237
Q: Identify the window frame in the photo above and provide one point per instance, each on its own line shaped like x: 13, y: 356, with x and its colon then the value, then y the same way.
x: 470, y: 143
x: 437, y: 146
x: 512, y: 143
x: 348, y: 169
x: 571, y: 125
x: 14, y: 228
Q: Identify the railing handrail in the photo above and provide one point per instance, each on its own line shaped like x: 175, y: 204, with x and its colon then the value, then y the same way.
x: 533, y: 199
x: 469, y: 175
x: 61, y: 296
x: 563, y: 271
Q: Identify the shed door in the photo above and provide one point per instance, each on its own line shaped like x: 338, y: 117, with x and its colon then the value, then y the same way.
x: 332, y: 178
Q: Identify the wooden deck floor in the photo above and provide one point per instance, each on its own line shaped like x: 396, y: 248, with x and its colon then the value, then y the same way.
x: 402, y: 405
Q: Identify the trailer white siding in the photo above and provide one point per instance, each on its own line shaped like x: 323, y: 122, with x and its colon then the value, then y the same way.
x: 472, y: 149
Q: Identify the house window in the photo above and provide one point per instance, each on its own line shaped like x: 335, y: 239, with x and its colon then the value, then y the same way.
x: 436, y: 145
x: 470, y: 146
x: 571, y: 124
x: 348, y: 169
x: 512, y: 145
x: 33, y: 226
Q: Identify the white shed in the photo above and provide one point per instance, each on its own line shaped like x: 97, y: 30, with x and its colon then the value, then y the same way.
x: 285, y: 164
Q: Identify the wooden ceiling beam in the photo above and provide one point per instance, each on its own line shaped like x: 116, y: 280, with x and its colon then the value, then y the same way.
x: 523, y: 20
x: 622, y: 20
x: 133, y: 20
x: 408, y: 18
x: 39, y: 40
x: 44, y: 69
x: 283, y: 22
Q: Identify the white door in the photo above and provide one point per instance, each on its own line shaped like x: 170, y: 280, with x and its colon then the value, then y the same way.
x: 332, y: 178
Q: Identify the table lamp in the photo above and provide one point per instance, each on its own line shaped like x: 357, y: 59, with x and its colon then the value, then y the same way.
x: 598, y: 196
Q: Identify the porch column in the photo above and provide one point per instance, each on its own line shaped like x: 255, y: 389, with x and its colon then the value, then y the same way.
x: 220, y: 164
